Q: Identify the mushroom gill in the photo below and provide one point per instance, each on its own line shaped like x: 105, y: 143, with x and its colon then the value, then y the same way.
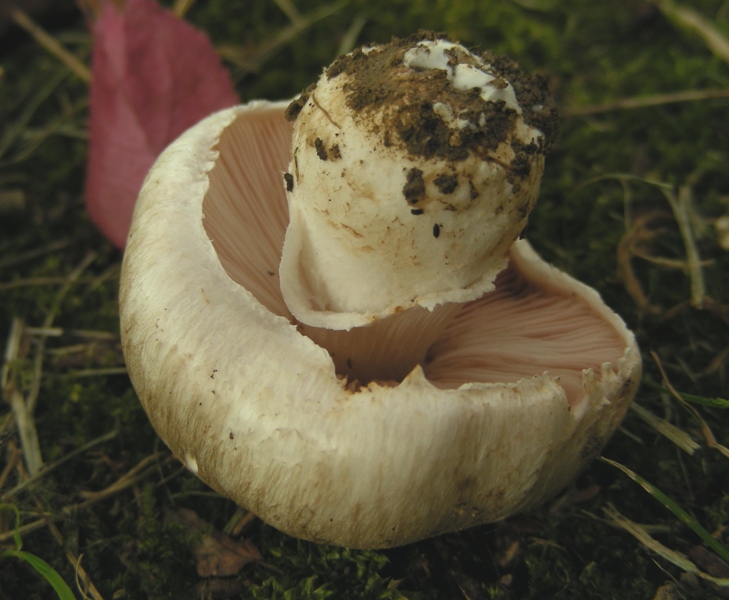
x: 244, y: 209
x: 527, y: 326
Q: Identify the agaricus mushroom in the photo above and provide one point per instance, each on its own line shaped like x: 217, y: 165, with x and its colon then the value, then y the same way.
x: 394, y: 379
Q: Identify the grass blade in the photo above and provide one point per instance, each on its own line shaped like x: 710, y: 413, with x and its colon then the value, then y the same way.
x: 44, y: 570
x: 721, y: 550
x: 41, y: 567
x: 702, y: 400
x: 676, y: 558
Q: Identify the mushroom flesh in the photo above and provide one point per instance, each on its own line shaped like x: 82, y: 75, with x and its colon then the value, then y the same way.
x: 265, y: 376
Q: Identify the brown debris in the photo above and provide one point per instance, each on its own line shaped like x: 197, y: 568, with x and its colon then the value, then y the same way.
x: 446, y: 184
x: 215, y: 554
x: 321, y: 151
x: 400, y: 101
x: 289, y: 180
x: 414, y: 188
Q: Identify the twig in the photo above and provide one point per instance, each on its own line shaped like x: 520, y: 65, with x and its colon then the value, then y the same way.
x: 252, y: 62
x: 48, y: 321
x: 709, y: 437
x: 637, y: 233
x: 689, y: 19
x: 644, y: 102
x: 28, y: 433
x: 48, y: 42
x: 23, y: 408
x: 14, y: 457
x: 102, y: 372
x: 349, y: 39
x: 81, y: 573
x: 289, y: 10
x: 639, y: 532
x: 36, y: 281
x: 76, y: 564
x: 681, y: 206
x: 715, y: 544
x: 718, y: 360
x: 678, y: 436
x: 52, y: 467
x: 136, y: 474
x: 35, y: 253
x: 239, y: 522
x: 57, y: 126
x: 21, y: 412
x: 14, y: 130
x: 12, y: 351
x: 139, y: 472
x: 180, y: 8
x: 28, y: 527
x: 86, y: 334
x: 668, y: 263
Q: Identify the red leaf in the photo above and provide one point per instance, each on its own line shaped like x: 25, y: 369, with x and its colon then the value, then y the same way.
x: 154, y: 76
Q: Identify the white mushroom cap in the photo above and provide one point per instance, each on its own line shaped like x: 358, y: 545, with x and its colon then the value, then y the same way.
x: 516, y: 395
x: 414, y: 167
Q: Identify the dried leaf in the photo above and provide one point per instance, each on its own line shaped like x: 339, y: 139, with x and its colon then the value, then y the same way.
x: 153, y: 77
x: 216, y: 554
x: 708, y: 561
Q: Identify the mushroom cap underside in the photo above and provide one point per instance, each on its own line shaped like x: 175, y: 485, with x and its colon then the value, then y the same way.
x: 520, y: 391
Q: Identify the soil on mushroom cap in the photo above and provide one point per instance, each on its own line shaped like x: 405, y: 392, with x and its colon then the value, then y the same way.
x: 394, y: 99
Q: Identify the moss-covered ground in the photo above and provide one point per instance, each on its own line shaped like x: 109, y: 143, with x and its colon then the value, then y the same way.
x: 632, y: 203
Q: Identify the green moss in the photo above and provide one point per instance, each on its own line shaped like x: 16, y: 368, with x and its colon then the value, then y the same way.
x: 302, y: 570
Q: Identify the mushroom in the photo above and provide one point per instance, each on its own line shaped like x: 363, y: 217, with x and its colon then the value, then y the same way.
x: 327, y: 387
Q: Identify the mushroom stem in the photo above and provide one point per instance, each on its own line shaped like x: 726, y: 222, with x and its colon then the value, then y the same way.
x: 388, y: 349
x: 414, y: 166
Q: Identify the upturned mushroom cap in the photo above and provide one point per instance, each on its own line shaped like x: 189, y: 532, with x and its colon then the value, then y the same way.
x: 518, y: 393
